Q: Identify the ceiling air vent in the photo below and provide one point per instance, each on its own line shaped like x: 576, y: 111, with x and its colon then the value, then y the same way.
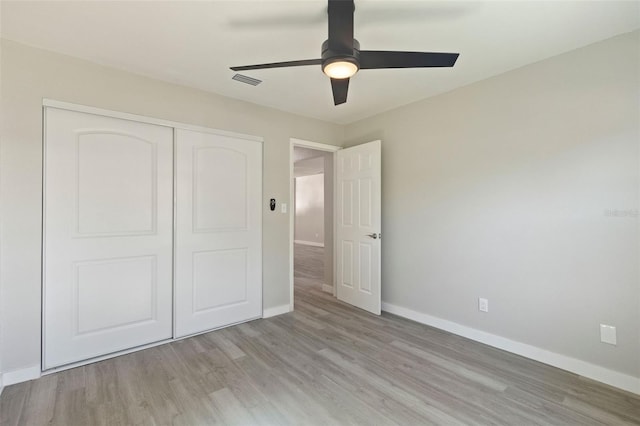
x: 245, y: 79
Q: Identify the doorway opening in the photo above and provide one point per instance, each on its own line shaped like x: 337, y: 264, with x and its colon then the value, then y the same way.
x: 312, y: 211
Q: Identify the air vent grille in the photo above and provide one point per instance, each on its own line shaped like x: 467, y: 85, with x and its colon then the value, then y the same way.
x: 244, y: 79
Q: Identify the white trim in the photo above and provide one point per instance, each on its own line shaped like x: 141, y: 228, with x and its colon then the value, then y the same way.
x: 315, y: 145
x: 334, y: 281
x: 308, y: 243
x: 174, y: 229
x: 21, y: 375
x: 293, y: 142
x: 579, y: 367
x: 327, y: 288
x: 51, y: 103
x: 43, y: 233
x: 276, y: 310
x: 292, y: 220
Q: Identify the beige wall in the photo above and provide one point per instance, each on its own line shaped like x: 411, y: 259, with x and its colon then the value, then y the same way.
x: 28, y: 75
x: 502, y: 189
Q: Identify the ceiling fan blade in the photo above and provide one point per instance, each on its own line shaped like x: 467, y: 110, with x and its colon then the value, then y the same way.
x: 279, y: 65
x: 340, y: 86
x: 341, y: 26
x: 376, y: 59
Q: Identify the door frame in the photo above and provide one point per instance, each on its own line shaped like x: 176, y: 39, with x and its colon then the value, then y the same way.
x: 293, y: 142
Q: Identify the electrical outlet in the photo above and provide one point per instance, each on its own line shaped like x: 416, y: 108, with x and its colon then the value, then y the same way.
x: 483, y: 304
x: 608, y: 334
x: 283, y: 207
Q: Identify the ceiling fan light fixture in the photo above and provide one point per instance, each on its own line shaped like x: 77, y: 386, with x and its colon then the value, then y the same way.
x: 341, y: 57
x: 340, y: 68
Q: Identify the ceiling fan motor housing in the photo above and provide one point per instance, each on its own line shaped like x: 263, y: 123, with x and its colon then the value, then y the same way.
x: 341, y: 57
x: 329, y: 56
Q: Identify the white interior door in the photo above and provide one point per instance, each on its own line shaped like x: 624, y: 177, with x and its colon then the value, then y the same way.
x: 107, y: 235
x: 358, y: 226
x: 218, y: 231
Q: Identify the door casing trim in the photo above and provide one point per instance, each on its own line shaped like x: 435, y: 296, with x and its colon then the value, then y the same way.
x: 293, y: 142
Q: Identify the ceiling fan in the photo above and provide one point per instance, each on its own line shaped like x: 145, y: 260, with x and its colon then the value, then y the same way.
x: 341, y: 56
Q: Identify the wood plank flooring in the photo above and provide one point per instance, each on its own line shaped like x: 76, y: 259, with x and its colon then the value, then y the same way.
x: 324, y: 364
x: 308, y: 266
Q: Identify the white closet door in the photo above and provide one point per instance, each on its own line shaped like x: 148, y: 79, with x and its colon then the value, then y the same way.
x: 218, y: 246
x: 107, y: 235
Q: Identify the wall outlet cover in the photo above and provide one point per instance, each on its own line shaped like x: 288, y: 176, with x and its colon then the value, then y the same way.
x: 483, y: 304
x: 608, y: 334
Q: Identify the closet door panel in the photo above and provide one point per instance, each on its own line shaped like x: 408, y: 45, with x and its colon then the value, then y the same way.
x: 220, y: 197
x: 218, y: 231
x: 107, y: 235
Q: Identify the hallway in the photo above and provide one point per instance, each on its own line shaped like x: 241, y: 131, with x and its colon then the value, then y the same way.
x: 308, y: 268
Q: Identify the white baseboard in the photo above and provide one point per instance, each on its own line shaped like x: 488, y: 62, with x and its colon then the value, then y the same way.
x: 21, y: 375
x: 308, y: 243
x: 276, y: 310
x: 579, y: 367
x: 327, y: 288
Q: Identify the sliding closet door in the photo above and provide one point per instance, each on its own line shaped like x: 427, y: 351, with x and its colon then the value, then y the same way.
x: 107, y: 235
x: 218, y: 247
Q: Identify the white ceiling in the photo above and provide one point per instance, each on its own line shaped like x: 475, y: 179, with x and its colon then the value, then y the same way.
x: 195, y: 43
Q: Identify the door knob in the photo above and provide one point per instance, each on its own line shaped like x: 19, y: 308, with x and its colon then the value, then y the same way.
x: 374, y: 235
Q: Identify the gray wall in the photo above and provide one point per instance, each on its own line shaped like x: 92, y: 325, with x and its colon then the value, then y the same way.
x: 309, y: 226
x: 30, y: 74
x: 503, y: 189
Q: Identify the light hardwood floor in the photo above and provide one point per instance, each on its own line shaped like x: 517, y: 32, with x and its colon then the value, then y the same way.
x: 326, y: 363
